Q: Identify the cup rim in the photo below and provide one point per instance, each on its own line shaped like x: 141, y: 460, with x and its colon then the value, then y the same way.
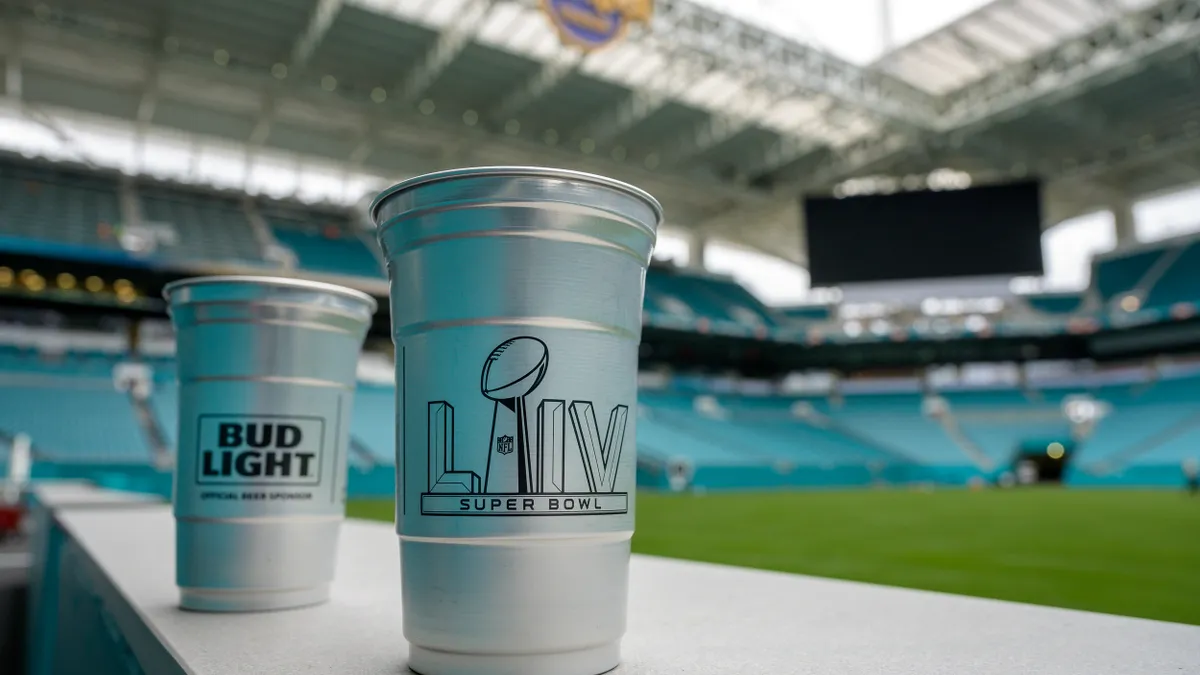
x: 515, y: 171
x: 281, y: 282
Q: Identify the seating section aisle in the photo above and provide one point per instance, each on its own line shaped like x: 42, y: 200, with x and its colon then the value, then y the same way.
x: 1000, y: 422
x: 896, y: 421
x: 59, y: 206
x: 164, y: 402
x: 1158, y: 426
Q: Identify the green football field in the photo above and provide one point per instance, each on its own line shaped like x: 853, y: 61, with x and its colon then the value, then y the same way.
x: 1123, y: 552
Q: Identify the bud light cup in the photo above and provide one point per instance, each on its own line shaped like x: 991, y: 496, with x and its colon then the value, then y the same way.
x: 516, y: 312
x: 266, y: 382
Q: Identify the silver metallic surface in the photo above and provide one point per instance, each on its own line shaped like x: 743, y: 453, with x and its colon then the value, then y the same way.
x: 516, y: 313
x: 266, y: 381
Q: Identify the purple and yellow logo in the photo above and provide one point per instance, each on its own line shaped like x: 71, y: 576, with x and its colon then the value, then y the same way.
x: 592, y: 24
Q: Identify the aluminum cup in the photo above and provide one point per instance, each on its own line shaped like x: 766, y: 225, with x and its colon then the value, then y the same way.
x: 516, y: 299
x: 266, y: 383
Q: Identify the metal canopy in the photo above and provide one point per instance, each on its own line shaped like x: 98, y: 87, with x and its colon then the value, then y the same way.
x: 998, y: 35
x: 724, y: 121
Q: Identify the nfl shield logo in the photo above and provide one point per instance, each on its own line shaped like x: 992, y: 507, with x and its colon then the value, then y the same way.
x: 504, y: 444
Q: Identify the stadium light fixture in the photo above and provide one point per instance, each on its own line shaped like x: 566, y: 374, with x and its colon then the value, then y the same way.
x: 66, y: 281
x: 976, y: 323
x: 33, y: 281
x: 6, y: 277
x: 94, y: 284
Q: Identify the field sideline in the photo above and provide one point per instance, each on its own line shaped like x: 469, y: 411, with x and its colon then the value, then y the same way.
x: 1123, y: 552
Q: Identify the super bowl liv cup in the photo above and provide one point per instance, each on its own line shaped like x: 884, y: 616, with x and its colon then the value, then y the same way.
x: 266, y: 385
x: 516, y: 312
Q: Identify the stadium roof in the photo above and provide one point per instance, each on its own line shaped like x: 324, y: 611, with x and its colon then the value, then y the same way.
x: 997, y: 35
x: 725, y: 119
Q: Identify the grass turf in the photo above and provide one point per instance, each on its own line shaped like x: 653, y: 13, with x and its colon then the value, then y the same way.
x: 1123, y: 552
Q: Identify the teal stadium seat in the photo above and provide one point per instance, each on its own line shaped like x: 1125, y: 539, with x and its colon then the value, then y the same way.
x: 712, y: 298
x: 374, y: 421
x: 895, y: 420
x: 807, y: 313
x: 1121, y: 273
x: 164, y: 402
x: 69, y: 408
x: 325, y: 245
x: 1056, y: 303
x: 208, y: 227
x: 663, y: 441
x: 59, y: 206
x: 999, y: 422
x: 1181, y: 281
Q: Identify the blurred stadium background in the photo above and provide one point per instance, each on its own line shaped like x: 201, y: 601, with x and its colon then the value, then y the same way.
x: 948, y: 247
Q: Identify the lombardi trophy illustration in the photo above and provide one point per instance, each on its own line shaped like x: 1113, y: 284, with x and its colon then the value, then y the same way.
x: 511, y: 372
x: 525, y: 456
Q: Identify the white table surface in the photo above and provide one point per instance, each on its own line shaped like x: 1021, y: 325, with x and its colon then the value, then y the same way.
x: 58, y: 493
x: 685, y: 619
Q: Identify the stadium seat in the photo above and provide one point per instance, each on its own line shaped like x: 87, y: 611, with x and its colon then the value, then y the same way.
x: 1056, y: 303
x: 69, y: 407
x: 326, y: 245
x: 374, y: 421
x: 807, y: 313
x: 895, y: 420
x: 1001, y: 422
x: 1121, y: 273
x: 164, y: 402
x: 1180, y: 282
x: 59, y: 206
x: 207, y: 227
x: 1152, y: 427
x: 715, y: 299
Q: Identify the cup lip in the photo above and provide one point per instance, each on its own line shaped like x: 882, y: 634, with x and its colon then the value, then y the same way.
x: 515, y: 171
x: 281, y: 282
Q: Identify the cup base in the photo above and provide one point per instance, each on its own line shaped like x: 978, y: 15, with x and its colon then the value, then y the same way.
x: 591, y: 661
x: 225, y: 600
